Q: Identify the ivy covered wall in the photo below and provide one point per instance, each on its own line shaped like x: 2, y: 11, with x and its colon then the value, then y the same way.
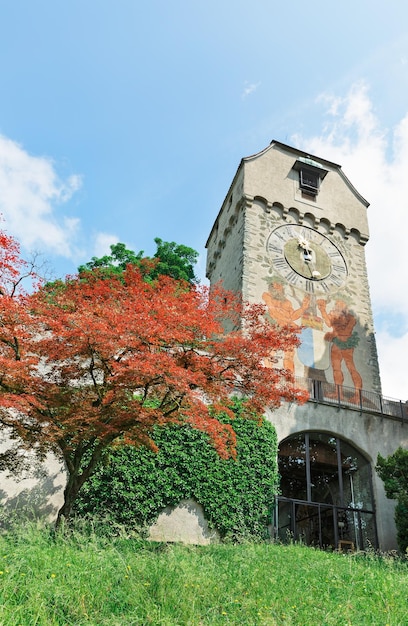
x: 133, y: 485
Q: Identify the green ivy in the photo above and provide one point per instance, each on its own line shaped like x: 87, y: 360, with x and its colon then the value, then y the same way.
x: 393, y: 471
x: 135, y: 484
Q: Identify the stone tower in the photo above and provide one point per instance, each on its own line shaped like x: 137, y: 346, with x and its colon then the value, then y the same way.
x: 291, y: 233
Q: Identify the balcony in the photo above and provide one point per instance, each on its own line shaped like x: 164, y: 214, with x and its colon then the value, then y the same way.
x: 355, y: 399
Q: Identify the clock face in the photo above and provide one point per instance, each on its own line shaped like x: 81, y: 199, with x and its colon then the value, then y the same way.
x: 306, y: 258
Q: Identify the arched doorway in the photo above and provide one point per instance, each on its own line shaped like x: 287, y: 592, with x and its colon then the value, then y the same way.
x: 326, y: 493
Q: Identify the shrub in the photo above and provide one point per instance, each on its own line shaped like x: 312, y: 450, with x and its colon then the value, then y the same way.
x: 393, y: 471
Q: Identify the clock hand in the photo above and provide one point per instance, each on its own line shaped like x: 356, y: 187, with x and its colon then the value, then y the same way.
x: 309, y: 260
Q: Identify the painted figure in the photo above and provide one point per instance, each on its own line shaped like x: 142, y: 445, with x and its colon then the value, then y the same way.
x: 283, y: 312
x: 343, y: 341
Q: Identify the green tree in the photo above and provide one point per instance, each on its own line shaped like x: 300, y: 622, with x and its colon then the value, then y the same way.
x: 170, y: 259
x: 393, y: 471
x: 114, y: 263
x: 175, y: 260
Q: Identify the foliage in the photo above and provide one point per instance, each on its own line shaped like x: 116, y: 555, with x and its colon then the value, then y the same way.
x: 85, y: 579
x: 100, y: 362
x: 170, y: 259
x: 401, y: 522
x: 16, y: 362
x: 393, y: 471
x: 134, y: 484
x: 175, y: 260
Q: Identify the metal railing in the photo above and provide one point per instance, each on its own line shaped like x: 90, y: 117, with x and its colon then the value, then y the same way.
x: 357, y: 399
x: 324, y: 525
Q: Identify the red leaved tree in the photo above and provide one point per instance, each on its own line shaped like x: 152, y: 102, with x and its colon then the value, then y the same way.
x: 18, y: 365
x: 105, y: 360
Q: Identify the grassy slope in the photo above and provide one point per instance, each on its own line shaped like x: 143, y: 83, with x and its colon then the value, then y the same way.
x: 89, y: 580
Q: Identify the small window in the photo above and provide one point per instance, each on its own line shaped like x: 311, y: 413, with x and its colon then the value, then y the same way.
x: 311, y: 175
x: 309, y: 181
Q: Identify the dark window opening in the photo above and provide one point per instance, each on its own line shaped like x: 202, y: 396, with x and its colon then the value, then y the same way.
x: 326, y: 493
x: 311, y: 174
x: 309, y: 181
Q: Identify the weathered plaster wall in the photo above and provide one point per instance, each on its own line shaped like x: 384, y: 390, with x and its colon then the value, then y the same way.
x: 184, y: 523
x: 270, y: 175
x: 37, y: 491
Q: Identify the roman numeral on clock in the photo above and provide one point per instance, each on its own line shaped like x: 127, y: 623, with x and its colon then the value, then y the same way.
x: 335, y: 280
x: 292, y: 277
x: 280, y: 263
x: 278, y: 234
x: 274, y: 248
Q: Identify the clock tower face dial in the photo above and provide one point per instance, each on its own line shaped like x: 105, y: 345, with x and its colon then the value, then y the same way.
x: 306, y: 259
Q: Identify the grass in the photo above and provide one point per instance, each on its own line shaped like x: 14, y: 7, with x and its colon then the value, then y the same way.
x: 82, y: 578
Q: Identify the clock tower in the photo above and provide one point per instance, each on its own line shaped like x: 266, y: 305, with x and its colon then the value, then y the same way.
x: 291, y: 234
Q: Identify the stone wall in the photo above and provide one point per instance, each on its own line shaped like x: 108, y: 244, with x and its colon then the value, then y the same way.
x: 184, y: 523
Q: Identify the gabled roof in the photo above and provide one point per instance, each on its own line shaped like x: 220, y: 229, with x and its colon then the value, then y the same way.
x: 296, y: 154
x: 306, y: 155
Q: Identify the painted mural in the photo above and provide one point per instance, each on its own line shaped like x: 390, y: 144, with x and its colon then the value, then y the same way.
x: 282, y: 311
x: 328, y: 334
x: 343, y: 340
x: 311, y: 285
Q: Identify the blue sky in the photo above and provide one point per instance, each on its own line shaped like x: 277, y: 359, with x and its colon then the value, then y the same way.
x: 123, y: 121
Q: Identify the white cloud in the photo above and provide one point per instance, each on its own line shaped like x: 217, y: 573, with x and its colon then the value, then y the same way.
x: 249, y: 88
x: 102, y: 244
x: 376, y: 162
x: 30, y: 191
x: 393, y: 351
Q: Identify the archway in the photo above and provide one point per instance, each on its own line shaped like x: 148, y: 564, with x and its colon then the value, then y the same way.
x: 326, y: 493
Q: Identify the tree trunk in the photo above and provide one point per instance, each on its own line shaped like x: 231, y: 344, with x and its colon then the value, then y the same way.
x: 70, y: 494
x: 76, y: 478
